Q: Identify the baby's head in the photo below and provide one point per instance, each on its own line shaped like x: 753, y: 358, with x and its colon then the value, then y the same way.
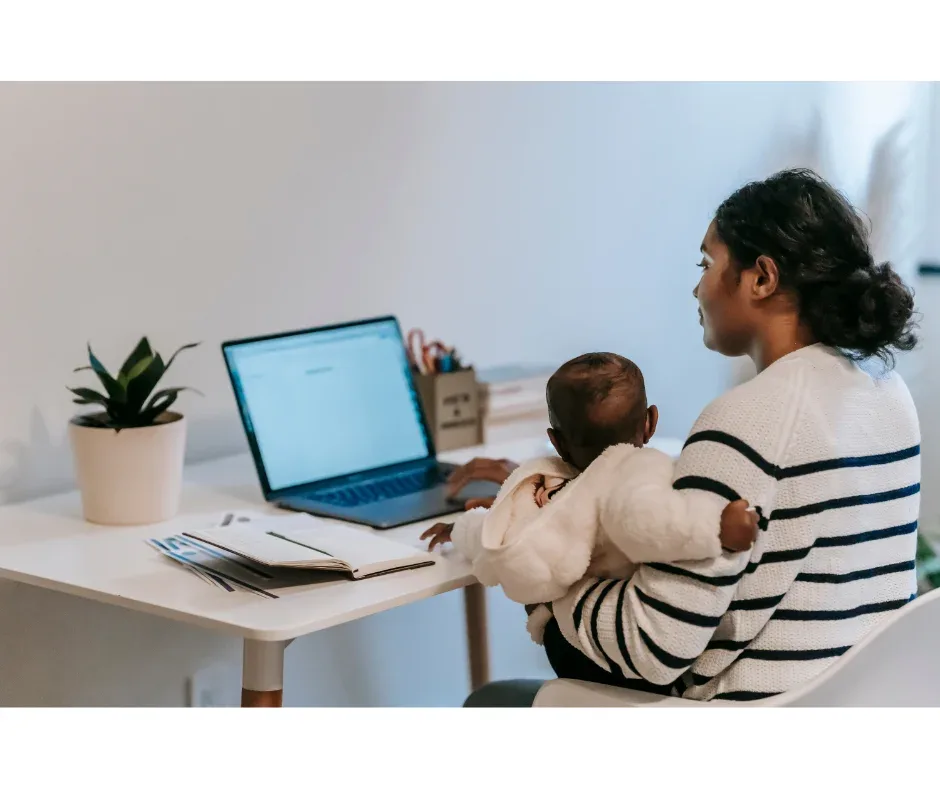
x: 596, y: 401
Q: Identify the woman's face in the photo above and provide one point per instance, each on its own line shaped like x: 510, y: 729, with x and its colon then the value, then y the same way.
x: 722, y: 303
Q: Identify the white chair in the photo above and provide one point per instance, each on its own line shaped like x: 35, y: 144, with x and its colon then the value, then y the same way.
x: 897, y: 664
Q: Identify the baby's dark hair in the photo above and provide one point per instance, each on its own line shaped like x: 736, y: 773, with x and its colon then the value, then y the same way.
x: 597, y: 400
x: 820, y: 245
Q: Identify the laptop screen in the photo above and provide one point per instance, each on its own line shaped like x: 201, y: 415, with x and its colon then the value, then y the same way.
x: 327, y: 403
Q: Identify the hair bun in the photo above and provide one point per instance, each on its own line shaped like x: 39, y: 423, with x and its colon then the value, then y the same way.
x: 867, y: 314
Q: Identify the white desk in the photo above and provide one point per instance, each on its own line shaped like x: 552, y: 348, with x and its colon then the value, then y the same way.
x: 45, y: 543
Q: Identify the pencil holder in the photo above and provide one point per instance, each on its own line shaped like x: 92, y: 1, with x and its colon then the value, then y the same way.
x: 451, y: 401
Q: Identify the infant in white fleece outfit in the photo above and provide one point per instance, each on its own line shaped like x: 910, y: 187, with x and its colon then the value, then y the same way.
x: 559, y: 519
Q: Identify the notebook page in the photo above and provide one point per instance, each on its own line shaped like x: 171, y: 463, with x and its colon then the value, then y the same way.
x: 254, y: 541
x: 359, y: 549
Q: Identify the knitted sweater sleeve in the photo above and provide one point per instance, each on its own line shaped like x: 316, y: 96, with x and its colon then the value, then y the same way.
x: 656, y: 624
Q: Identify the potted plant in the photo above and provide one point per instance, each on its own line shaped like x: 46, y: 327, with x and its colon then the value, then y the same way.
x: 129, y: 453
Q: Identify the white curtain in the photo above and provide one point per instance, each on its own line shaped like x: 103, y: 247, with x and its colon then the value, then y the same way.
x: 871, y: 140
x: 874, y: 147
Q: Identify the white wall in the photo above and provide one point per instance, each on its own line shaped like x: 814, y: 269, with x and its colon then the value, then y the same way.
x: 524, y: 222
x: 927, y: 393
x: 932, y: 231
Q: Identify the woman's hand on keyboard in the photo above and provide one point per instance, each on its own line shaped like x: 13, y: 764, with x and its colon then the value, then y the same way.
x: 479, y: 470
x: 479, y: 503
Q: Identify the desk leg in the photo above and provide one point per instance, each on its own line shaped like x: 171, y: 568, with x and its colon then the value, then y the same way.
x: 263, y: 673
x: 477, y: 645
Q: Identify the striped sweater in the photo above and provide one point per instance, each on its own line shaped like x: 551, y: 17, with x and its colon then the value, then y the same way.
x: 831, y: 456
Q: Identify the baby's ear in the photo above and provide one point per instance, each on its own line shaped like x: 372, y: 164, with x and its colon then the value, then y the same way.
x: 558, y: 443
x: 652, y: 419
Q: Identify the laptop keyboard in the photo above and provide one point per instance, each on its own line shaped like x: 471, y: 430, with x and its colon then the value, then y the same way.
x: 379, y: 489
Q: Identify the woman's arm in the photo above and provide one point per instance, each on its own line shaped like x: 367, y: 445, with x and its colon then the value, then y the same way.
x: 657, y: 624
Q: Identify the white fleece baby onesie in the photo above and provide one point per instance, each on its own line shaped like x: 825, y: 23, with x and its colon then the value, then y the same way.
x: 537, y: 552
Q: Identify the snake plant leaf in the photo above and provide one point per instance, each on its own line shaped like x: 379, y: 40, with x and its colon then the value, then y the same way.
x: 115, y: 391
x: 137, y: 369
x: 142, y: 351
x: 139, y: 389
x: 94, y: 420
x: 180, y: 350
x: 90, y: 396
x: 158, y: 405
x: 174, y: 390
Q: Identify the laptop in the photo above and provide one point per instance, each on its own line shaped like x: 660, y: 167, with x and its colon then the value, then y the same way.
x: 336, y: 427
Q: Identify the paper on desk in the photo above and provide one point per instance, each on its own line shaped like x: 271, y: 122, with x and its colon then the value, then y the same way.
x: 164, y: 547
x: 228, y: 573
x: 234, y: 573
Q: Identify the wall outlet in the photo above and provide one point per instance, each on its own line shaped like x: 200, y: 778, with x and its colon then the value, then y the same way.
x: 215, y: 686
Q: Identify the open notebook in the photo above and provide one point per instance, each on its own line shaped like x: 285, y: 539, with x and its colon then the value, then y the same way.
x: 303, y: 542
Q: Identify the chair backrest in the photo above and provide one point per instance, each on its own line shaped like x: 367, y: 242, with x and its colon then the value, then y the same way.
x: 898, y: 664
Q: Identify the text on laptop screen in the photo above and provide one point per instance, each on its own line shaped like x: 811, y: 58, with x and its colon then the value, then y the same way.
x: 328, y: 403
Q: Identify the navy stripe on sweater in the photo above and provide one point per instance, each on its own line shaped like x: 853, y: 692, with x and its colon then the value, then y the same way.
x: 621, y: 636
x: 794, y: 655
x: 779, y: 473
x: 744, y: 695
x: 729, y: 645
x: 784, y: 556
x: 706, y: 484
x: 866, y: 536
x: 774, y: 655
x: 694, y: 679
x: 667, y: 659
x: 597, y: 609
x: 767, y: 655
x: 578, y: 611
x: 759, y: 603
x: 840, y: 615
x: 844, y: 503
x: 721, y: 580
x: 858, y: 574
x: 685, y: 616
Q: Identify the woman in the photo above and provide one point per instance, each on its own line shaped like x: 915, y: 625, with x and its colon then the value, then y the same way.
x: 829, y: 453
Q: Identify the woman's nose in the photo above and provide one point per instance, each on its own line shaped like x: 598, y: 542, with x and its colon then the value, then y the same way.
x: 695, y: 292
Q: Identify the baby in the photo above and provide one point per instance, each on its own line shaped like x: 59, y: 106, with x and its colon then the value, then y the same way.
x: 558, y: 519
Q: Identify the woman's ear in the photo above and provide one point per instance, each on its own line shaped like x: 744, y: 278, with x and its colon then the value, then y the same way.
x: 652, y: 419
x: 766, y: 277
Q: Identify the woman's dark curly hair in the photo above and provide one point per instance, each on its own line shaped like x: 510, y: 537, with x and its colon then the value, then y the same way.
x: 820, y: 245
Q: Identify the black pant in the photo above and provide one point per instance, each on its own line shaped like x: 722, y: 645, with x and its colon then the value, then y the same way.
x: 569, y: 663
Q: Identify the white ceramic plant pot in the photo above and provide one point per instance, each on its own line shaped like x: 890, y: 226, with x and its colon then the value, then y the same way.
x: 131, y: 477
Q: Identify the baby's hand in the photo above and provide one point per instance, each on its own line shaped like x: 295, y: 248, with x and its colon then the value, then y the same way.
x: 738, y: 526
x: 540, y: 491
x: 438, y: 534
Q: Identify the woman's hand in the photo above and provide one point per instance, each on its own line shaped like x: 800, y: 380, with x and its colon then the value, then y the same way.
x: 479, y: 503
x: 479, y: 470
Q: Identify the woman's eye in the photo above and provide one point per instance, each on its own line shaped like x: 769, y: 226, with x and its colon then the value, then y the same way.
x: 703, y: 263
